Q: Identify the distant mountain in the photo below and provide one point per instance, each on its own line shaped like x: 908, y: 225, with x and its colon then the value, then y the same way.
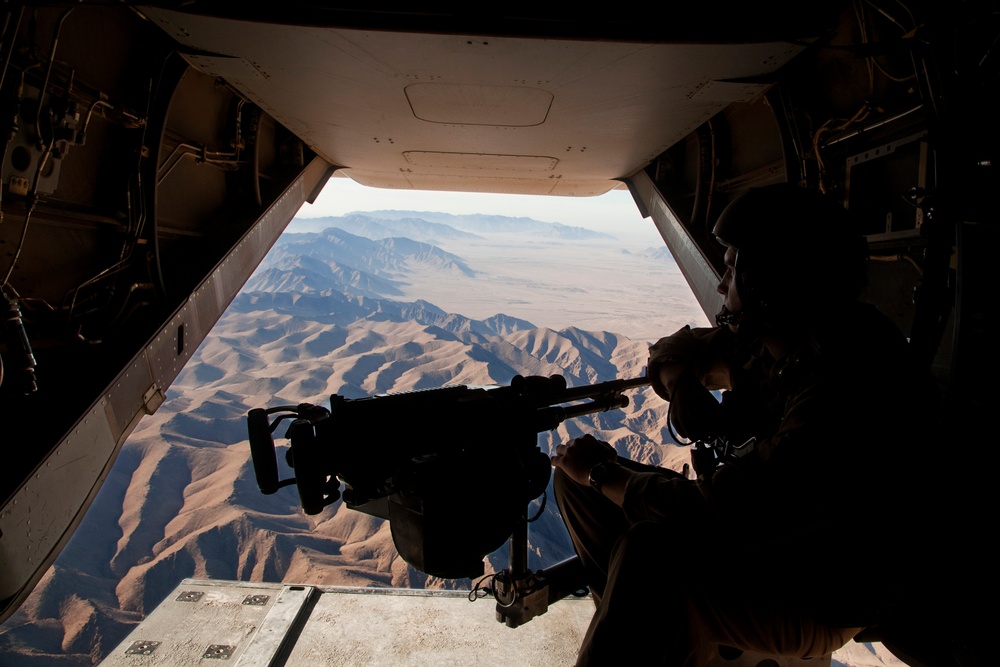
x: 660, y: 254
x: 182, y: 500
x: 335, y: 261
x: 373, y: 227
x: 382, y: 257
x: 436, y: 227
x: 343, y: 309
x: 318, y: 319
x: 302, y: 273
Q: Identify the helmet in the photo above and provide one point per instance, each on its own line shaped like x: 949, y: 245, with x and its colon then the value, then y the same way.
x: 799, y: 255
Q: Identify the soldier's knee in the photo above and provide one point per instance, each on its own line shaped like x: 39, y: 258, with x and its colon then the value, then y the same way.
x: 646, y: 539
x: 560, y: 480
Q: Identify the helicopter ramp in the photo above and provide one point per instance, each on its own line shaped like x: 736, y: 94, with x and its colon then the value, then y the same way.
x: 244, y: 624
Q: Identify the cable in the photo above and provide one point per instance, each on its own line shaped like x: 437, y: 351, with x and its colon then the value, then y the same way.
x: 24, y: 229
x: 872, y: 65
x: 47, y: 150
x: 670, y: 428
x: 3, y: 78
x: 48, y: 73
x: 538, y: 514
x: 485, y: 588
x: 481, y: 589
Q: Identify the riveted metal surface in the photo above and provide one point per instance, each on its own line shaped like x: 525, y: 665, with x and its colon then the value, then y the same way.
x: 34, y: 521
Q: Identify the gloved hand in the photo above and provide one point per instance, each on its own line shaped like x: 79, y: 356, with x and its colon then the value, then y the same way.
x: 697, y: 350
x: 579, y: 455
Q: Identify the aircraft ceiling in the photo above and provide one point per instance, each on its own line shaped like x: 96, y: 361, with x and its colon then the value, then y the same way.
x: 141, y: 187
x: 156, y: 151
x: 477, y: 113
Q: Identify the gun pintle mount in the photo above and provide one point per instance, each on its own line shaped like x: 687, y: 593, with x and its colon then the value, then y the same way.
x: 452, y: 469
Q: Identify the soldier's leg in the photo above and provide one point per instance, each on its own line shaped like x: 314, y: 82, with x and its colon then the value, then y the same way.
x: 649, y: 618
x: 594, y: 524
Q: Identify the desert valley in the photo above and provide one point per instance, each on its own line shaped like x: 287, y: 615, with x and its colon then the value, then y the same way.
x: 367, y: 303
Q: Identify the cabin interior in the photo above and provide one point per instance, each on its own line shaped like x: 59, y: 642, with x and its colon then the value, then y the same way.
x: 155, y: 151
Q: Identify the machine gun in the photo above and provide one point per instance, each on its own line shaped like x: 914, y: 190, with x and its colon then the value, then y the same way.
x: 452, y: 497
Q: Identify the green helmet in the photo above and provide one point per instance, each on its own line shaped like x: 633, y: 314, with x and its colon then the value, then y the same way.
x: 799, y: 254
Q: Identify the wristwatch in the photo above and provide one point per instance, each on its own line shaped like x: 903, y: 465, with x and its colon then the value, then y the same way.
x: 598, y: 474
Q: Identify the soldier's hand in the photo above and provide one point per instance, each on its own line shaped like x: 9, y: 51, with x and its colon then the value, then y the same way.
x: 689, y: 350
x: 670, y: 356
x: 579, y: 455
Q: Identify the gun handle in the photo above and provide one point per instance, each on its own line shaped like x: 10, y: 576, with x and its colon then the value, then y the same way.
x: 265, y: 460
x: 317, y: 489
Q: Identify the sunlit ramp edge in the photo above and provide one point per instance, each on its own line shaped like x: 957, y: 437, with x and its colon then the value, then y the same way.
x: 262, y: 624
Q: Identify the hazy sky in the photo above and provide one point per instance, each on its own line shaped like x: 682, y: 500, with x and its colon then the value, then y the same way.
x: 613, y: 212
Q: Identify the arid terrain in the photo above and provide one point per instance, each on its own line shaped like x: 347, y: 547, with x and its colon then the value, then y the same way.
x: 366, y: 304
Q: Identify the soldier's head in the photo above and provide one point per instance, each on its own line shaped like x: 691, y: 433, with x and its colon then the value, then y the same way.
x: 793, y: 257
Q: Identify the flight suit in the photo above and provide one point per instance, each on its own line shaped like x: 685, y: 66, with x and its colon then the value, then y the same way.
x: 796, y: 541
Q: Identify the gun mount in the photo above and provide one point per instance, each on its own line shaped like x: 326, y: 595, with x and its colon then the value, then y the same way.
x: 451, y: 497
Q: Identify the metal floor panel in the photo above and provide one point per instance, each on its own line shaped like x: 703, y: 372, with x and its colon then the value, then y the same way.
x: 246, y: 624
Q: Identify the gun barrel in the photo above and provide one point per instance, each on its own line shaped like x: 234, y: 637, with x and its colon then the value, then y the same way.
x: 602, y: 389
x: 603, y: 396
x: 599, y: 405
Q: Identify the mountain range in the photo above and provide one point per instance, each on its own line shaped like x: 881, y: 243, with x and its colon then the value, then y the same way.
x: 322, y: 316
x: 436, y: 228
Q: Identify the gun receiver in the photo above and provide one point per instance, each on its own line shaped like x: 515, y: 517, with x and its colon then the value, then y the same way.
x: 452, y: 496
